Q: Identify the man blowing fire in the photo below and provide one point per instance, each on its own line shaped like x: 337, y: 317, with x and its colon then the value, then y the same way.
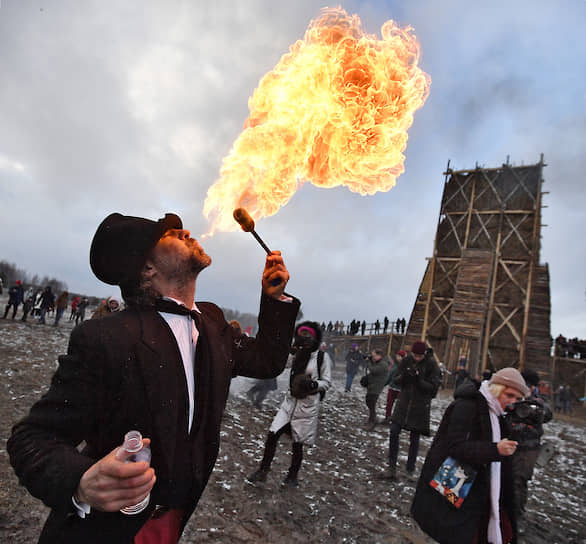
x: 162, y: 367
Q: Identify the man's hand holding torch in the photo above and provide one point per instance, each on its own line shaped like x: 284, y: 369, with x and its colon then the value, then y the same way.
x: 275, y: 275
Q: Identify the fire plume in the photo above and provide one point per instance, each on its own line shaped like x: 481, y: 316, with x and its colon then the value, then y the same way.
x: 334, y: 111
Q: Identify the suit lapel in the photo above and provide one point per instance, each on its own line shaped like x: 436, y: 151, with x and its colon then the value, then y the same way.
x: 164, y: 382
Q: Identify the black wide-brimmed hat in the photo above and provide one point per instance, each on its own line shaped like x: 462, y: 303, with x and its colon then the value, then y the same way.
x: 122, y: 243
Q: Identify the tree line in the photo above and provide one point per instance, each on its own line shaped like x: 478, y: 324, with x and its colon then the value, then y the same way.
x: 10, y: 273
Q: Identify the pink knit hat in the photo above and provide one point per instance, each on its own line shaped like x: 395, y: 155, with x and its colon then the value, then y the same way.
x: 510, y: 377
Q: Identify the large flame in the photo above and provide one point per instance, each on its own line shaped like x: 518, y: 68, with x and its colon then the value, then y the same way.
x: 334, y: 111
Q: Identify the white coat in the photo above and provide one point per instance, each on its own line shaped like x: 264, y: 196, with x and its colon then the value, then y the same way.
x: 303, y: 413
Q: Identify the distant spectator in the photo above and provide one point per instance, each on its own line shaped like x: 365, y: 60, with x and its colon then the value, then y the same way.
x: 566, y: 399
x: 81, y: 308
x: 462, y: 374
x: 60, y: 306
x: 394, y: 388
x: 332, y: 353
x: 443, y: 373
x: 110, y: 306
x: 353, y: 361
x: 47, y: 302
x: 74, y: 304
x: 385, y: 324
x: 259, y: 391
x: 29, y: 302
x: 363, y: 327
x: 15, y: 298
x: 378, y: 372
x: 418, y: 376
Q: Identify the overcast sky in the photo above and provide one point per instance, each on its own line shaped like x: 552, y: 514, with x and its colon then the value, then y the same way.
x: 131, y: 106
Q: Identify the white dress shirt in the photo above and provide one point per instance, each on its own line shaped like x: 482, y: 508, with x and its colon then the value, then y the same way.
x: 186, y: 334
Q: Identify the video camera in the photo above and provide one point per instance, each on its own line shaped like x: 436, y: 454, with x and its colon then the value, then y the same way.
x: 529, y: 412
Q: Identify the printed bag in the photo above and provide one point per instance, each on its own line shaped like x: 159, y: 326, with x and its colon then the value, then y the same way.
x: 453, y: 480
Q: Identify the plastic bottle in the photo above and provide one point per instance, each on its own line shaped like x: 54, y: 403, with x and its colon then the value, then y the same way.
x: 132, y: 451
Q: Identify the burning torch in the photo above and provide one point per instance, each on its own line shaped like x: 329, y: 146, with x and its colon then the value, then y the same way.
x: 246, y: 222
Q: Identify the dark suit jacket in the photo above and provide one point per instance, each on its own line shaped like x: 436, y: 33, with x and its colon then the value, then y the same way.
x: 125, y: 372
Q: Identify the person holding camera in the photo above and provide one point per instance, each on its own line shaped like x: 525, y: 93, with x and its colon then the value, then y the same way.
x: 311, y: 377
x: 525, y: 419
x: 419, y: 377
x: 378, y: 372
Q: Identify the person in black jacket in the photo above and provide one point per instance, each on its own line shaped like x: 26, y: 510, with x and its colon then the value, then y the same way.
x: 419, y: 378
x: 163, y: 367
x: 526, y: 419
x: 15, y: 298
x: 473, y: 432
x: 354, y: 359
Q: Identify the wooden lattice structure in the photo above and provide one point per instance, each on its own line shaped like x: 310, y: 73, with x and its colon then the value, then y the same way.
x: 484, y: 295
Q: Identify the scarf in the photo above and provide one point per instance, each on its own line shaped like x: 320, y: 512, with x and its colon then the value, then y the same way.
x: 299, y: 364
x: 494, y: 410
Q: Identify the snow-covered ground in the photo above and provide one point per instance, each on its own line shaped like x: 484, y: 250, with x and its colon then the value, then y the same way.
x: 341, y: 498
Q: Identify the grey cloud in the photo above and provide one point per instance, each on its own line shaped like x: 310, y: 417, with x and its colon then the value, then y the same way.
x: 132, y: 106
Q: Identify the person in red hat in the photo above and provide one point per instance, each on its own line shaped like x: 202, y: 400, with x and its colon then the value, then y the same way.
x: 15, y: 298
x: 418, y: 377
x: 161, y: 367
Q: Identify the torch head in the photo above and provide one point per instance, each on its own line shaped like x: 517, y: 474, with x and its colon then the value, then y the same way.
x: 244, y: 220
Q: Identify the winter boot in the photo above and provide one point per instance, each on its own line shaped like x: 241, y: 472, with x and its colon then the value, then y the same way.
x: 291, y: 480
x: 389, y: 474
x: 259, y: 476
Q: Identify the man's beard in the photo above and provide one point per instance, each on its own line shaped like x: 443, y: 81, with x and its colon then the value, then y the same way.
x: 199, y: 259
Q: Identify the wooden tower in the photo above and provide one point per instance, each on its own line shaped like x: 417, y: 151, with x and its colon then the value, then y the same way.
x: 484, y: 296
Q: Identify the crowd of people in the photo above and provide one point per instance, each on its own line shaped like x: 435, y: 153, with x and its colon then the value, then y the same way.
x: 572, y: 348
x: 357, y: 327
x: 491, y: 433
x: 163, y: 368
x: 39, y: 303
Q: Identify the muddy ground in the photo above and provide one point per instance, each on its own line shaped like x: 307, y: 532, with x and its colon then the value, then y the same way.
x: 340, y: 498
